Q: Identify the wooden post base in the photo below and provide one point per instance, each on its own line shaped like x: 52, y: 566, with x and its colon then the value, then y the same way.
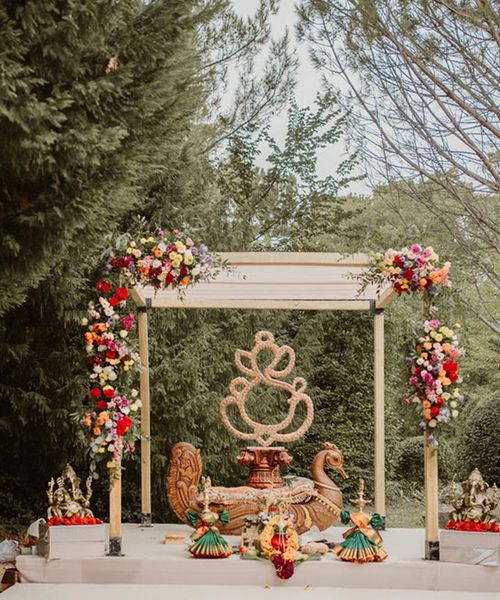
x: 115, y: 546
x: 431, y: 550
x: 146, y: 520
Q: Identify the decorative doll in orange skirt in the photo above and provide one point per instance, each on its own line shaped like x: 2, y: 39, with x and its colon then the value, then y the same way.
x: 362, y: 543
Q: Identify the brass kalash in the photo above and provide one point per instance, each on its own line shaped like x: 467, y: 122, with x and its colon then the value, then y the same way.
x: 313, y: 502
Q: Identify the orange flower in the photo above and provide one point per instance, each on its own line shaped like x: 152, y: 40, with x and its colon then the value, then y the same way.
x: 89, y: 338
x: 426, y: 404
x: 157, y: 252
x: 185, y: 280
x: 446, y: 347
x: 427, y: 345
x: 97, y: 430
x: 423, y: 282
x: 424, y: 355
x: 144, y: 270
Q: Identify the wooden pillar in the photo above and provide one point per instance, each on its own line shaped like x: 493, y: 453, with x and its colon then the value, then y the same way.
x: 379, y: 413
x: 145, y: 420
x: 431, y: 501
x: 431, y: 481
x: 115, y: 516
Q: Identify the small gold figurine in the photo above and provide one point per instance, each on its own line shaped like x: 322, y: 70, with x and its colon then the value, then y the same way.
x: 473, y: 500
x: 67, y: 500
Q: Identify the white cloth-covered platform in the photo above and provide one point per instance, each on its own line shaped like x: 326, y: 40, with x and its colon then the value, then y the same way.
x: 148, y: 560
x: 88, y: 591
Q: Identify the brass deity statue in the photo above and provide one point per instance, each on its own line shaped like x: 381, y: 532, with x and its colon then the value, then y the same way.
x: 68, y: 500
x: 473, y: 499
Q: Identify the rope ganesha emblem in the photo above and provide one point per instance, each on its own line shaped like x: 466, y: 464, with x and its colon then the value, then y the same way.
x: 272, y: 375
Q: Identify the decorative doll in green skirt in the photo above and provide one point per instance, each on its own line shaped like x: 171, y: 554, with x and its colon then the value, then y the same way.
x: 362, y: 543
x: 207, y: 541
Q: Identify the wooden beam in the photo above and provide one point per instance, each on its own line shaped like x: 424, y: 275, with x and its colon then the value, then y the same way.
x: 137, y: 295
x: 299, y: 258
x: 115, y: 516
x: 145, y: 420
x: 378, y: 332
x: 386, y: 297
x: 174, y: 302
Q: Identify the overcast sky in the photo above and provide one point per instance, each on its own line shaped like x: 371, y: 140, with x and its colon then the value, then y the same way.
x: 308, y: 84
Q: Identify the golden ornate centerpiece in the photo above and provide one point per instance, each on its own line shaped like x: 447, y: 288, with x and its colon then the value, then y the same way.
x: 67, y: 499
x: 264, y: 461
x: 312, y: 502
x: 473, y: 500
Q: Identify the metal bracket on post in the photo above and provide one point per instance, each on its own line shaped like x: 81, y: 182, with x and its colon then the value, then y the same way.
x: 431, y: 550
x: 115, y: 546
x: 146, y: 520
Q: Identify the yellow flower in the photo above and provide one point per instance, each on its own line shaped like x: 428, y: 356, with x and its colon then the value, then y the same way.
x: 143, y: 240
x: 188, y: 257
x: 132, y: 244
x: 180, y: 246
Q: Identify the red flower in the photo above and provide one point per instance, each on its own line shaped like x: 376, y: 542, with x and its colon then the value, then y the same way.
x: 109, y: 392
x: 169, y: 278
x: 121, y: 293
x: 95, y: 393
x: 399, y: 261
x: 408, y: 274
x: 123, y: 425
x: 103, y: 286
x: 399, y: 288
x: 111, y: 354
x: 102, y: 405
x: 434, y: 411
x: 113, y: 300
x: 451, y: 368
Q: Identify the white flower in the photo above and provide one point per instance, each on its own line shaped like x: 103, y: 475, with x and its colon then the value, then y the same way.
x: 453, y: 404
x: 123, y: 333
x: 134, y: 407
x: 156, y: 263
x: 454, y: 413
x: 111, y: 447
x: 97, y: 369
x: 84, y: 322
x: 102, y: 347
x: 196, y: 270
x: 432, y: 423
x: 125, y: 410
x: 109, y: 311
x: 112, y: 376
x: 134, y: 393
x: 89, y: 348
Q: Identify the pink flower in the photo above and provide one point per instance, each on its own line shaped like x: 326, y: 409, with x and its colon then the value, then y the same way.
x: 416, y: 248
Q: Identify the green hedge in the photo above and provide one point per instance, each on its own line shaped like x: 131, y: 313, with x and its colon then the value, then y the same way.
x: 480, y: 440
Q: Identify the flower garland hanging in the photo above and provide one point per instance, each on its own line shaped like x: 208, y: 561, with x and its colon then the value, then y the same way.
x: 434, y: 377
x: 408, y: 270
x: 113, y: 421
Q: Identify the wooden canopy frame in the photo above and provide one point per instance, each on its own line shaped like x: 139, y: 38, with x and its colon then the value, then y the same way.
x: 278, y: 281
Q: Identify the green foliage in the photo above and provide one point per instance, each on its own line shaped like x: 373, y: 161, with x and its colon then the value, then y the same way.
x: 479, y: 443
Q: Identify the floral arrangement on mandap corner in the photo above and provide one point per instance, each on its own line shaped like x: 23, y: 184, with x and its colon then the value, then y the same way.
x: 413, y: 269
x: 113, y: 420
x: 434, y: 377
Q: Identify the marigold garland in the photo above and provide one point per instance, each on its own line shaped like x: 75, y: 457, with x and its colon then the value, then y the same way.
x: 291, y: 540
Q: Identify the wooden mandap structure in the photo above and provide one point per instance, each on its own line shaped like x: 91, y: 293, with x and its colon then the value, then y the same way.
x: 278, y: 281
